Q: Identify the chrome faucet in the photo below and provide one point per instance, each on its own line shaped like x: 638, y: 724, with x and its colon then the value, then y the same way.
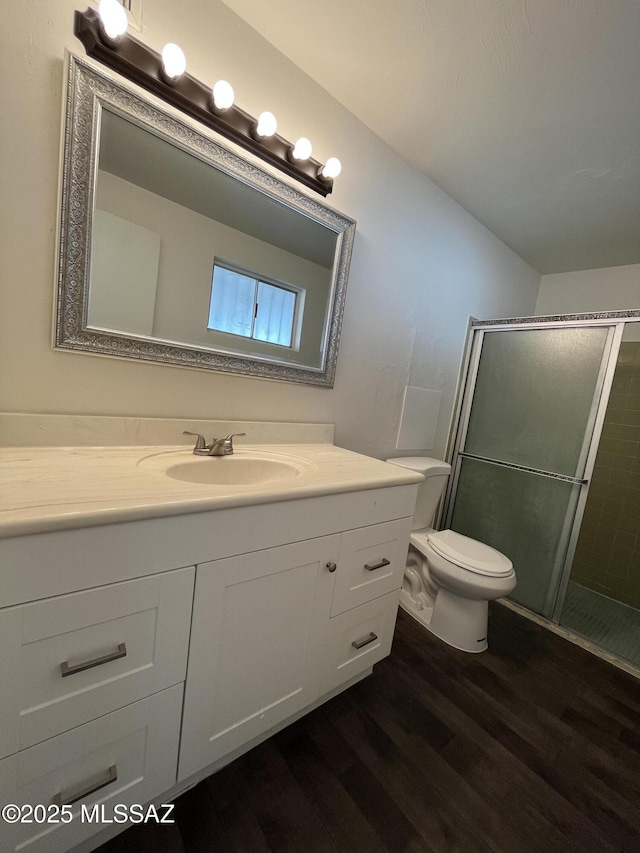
x: 217, y: 447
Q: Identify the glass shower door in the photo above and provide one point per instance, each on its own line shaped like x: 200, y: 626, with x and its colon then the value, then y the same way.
x: 524, y: 446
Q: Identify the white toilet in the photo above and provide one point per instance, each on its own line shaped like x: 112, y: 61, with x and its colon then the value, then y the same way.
x: 449, y: 578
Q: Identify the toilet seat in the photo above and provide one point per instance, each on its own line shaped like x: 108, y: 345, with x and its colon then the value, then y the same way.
x: 464, y: 552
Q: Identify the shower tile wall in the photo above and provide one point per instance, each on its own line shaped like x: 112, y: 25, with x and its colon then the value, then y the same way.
x: 607, y: 556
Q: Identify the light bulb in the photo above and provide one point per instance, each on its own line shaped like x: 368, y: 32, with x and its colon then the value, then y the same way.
x: 267, y: 124
x: 174, y: 62
x: 113, y: 19
x: 302, y: 149
x: 331, y: 168
x: 223, y: 95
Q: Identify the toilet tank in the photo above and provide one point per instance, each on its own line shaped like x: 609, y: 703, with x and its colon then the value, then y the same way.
x: 436, y: 474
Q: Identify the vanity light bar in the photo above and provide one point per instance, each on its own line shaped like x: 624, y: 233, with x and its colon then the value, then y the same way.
x: 138, y: 63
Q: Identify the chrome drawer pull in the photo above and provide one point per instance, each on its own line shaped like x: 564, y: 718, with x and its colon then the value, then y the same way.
x: 65, y: 669
x: 379, y: 565
x: 358, y: 644
x: 68, y: 799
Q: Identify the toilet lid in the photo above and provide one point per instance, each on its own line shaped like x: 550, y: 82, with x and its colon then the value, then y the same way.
x: 469, y: 553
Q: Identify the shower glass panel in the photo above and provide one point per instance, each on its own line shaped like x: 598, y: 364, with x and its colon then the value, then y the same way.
x: 534, y: 396
x: 602, y: 602
x: 526, y: 516
x: 525, y: 446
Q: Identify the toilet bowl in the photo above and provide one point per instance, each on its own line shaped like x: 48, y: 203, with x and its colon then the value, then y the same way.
x: 449, y: 578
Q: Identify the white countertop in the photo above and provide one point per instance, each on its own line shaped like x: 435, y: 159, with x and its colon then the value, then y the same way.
x: 55, y: 488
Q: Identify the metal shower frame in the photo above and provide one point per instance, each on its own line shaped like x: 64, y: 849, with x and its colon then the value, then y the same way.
x: 616, y: 320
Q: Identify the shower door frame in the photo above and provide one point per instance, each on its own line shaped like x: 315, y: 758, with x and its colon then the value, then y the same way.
x: 616, y: 321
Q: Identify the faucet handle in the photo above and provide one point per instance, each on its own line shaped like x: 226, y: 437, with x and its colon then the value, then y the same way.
x: 228, y: 441
x: 200, y: 442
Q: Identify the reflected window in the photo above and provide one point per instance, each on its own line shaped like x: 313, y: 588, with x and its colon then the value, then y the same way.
x: 245, y: 304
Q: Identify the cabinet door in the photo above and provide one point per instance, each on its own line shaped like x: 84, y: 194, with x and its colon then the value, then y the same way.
x: 258, y: 625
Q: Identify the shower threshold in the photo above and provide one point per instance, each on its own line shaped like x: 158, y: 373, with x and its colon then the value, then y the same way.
x: 575, y: 637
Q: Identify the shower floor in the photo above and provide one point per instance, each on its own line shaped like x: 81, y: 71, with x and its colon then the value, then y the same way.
x: 612, y: 625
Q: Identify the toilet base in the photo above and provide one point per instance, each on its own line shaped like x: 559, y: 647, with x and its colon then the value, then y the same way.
x: 459, y: 622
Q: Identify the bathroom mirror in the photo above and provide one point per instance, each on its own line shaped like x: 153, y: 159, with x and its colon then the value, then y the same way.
x: 175, y: 249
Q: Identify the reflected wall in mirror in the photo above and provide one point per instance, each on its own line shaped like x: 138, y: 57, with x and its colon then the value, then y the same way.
x: 177, y: 250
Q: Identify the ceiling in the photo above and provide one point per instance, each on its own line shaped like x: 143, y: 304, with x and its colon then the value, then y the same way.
x: 526, y: 112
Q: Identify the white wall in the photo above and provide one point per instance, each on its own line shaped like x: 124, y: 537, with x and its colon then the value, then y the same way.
x: 123, y: 288
x: 606, y: 289
x: 421, y: 264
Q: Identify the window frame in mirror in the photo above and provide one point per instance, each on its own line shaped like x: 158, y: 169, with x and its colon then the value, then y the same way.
x: 88, y: 89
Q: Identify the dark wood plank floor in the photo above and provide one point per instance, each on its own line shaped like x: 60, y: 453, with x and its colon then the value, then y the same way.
x: 533, y: 746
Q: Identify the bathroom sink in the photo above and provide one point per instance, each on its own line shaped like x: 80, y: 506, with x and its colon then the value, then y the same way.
x: 232, y: 471
x: 243, y: 468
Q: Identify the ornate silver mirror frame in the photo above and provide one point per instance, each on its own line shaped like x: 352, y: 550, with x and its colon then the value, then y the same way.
x: 90, y: 89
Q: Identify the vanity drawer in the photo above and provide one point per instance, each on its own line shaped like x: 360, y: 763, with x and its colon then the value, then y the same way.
x: 135, y: 747
x: 358, y: 639
x: 371, y: 563
x: 80, y: 656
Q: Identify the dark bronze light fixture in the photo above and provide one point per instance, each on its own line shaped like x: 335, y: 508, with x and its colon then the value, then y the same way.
x: 164, y: 76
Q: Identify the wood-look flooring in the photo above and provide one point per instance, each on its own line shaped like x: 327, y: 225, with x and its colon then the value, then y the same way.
x: 530, y: 747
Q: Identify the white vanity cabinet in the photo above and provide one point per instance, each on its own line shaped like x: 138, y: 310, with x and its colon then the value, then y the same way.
x: 264, y: 644
x: 91, y: 703
x: 138, y: 657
